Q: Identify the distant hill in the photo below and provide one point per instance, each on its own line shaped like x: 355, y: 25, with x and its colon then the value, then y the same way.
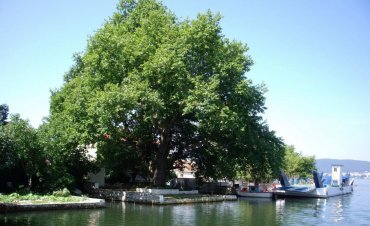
x: 324, y: 165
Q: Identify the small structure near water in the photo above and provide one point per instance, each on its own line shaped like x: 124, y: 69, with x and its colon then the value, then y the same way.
x: 159, y: 196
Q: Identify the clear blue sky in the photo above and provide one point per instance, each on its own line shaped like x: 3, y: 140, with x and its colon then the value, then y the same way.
x: 314, y: 57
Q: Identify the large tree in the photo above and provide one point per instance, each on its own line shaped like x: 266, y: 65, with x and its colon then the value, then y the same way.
x: 297, y: 165
x: 21, y: 157
x: 164, y: 90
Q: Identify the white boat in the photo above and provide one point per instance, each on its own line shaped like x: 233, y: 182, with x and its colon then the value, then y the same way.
x: 334, y: 185
x: 319, y: 192
x: 253, y: 192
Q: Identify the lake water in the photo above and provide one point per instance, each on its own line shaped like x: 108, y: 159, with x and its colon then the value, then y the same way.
x: 353, y: 209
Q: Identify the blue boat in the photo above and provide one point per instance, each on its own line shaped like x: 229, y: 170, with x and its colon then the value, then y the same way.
x: 334, y: 185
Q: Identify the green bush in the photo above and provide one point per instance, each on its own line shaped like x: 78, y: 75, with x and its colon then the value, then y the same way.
x: 35, y: 198
x: 62, y: 193
x: 22, y: 190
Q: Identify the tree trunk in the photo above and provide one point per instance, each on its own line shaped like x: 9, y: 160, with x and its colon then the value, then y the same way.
x: 159, y: 178
x: 30, y: 181
x: 160, y: 172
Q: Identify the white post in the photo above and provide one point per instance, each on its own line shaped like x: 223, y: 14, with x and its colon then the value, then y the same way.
x: 336, y: 175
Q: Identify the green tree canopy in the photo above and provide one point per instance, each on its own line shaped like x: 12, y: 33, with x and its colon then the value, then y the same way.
x: 160, y: 90
x: 21, y: 157
x: 297, y: 165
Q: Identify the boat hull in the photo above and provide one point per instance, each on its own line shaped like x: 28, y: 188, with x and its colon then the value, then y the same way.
x: 318, y: 192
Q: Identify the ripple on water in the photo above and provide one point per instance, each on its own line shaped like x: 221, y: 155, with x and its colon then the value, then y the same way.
x: 343, y: 210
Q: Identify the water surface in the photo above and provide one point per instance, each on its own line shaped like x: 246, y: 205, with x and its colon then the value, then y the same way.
x: 353, y: 209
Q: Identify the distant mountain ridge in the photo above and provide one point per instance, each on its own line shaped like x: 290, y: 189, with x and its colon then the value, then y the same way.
x: 324, y: 165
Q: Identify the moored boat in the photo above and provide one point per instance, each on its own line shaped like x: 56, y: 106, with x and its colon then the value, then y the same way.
x: 254, y: 192
x: 334, y: 185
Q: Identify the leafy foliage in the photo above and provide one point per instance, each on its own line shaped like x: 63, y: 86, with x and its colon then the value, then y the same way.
x: 151, y: 90
x: 8, y: 156
x: 62, y: 193
x: 28, y: 162
x: 67, y: 162
x: 297, y: 165
x: 35, y: 198
x: 21, y: 160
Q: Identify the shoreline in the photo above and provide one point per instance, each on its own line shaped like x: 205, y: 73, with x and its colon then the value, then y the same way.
x: 203, y: 199
x: 89, y: 203
x: 99, y: 200
x: 157, y: 199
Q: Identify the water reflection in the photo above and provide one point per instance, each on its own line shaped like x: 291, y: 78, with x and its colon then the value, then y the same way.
x: 300, y: 210
x: 313, y: 211
x: 244, y: 211
x: 185, y: 215
x: 342, y: 210
x: 337, y: 210
x: 55, y: 217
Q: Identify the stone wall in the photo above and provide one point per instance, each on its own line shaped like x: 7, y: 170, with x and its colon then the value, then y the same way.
x: 167, y: 191
x: 150, y: 198
x: 127, y: 196
x: 86, y: 204
x: 213, y: 198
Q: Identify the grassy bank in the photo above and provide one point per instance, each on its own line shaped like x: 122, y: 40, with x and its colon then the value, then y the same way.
x: 56, y: 197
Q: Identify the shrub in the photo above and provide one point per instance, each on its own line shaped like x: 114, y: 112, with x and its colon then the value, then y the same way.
x: 62, y: 193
